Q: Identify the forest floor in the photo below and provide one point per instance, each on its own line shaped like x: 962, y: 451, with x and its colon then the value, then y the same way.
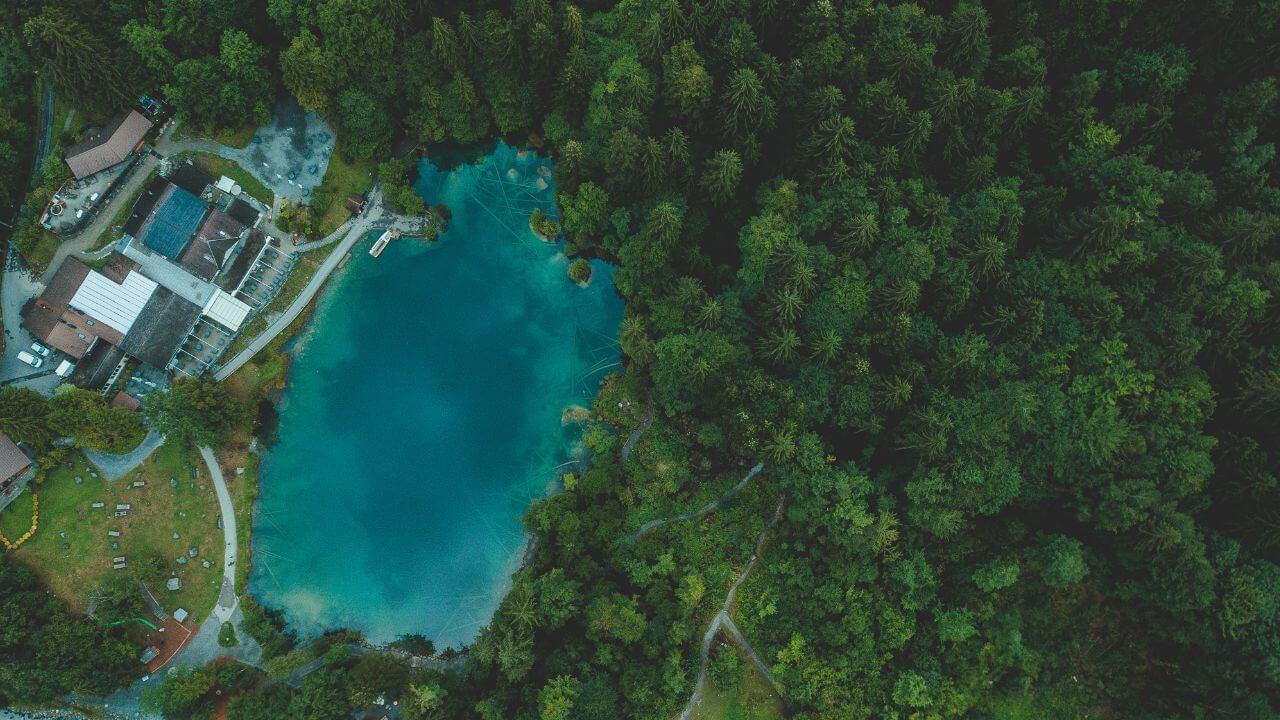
x: 73, y: 554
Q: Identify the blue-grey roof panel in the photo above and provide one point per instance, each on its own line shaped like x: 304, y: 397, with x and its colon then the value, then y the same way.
x: 174, y: 223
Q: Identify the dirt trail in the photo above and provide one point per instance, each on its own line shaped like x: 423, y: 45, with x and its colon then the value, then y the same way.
x: 723, y: 621
x: 635, y: 436
x: 633, y: 537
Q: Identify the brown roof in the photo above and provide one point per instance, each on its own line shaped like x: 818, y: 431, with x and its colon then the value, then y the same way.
x: 104, y: 147
x: 74, y: 335
x: 41, y: 315
x: 126, y: 401
x: 50, y: 319
x: 12, y: 460
x: 208, y: 250
x: 118, y: 267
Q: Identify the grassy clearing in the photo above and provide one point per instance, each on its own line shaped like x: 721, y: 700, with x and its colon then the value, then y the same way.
x: 216, y: 166
x: 342, y: 179
x: 39, y: 256
x: 234, y: 138
x: 227, y: 636
x: 73, y: 553
x: 736, y: 690
x: 237, y: 138
x: 79, y: 121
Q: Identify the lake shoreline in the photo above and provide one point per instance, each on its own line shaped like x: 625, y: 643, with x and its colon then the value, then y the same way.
x: 318, y: 603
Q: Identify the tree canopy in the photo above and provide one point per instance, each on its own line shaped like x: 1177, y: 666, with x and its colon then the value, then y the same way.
x: 989, y: 286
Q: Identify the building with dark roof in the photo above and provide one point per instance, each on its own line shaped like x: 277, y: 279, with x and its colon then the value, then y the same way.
x: 95, y: 369
x: 83, y: 312
x: 244, y: 212
x: 191, y: 178
x: 105, y: 147
x: 176, y: 217
x: 161, y: 328
x: 143, y: 206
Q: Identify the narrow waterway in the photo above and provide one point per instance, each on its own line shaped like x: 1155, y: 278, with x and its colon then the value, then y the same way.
x: 423, y: 415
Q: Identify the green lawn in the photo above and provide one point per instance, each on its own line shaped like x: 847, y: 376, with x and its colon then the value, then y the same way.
x: 41, y: 255
x: 216, y: 166
x: 736, y: 690
x: 342, y: 179
x: 72, y: 551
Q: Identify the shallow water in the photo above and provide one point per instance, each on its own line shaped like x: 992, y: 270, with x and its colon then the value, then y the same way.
x: 424, y: 414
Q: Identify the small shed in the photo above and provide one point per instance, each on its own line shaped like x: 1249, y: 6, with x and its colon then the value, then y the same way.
x: 173, y: 583
x: 355, y: 203
x: 149, y: 654
x: 180, y: 615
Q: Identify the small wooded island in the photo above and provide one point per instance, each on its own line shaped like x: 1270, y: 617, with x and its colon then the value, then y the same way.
x: 544, y: 226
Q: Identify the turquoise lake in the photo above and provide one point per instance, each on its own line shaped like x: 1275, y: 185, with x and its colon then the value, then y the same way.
x: 423, y: 415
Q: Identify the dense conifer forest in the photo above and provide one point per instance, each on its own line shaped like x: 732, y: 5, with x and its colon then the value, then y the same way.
x: 990, y: 288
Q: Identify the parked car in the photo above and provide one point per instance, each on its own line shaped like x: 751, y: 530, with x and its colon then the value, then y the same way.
x: 40, y: 350
x: 30, y: 359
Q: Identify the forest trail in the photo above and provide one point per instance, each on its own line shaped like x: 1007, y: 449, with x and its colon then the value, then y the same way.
x: 723, y: 621
x: 633, y: 537
x: 635, y: 436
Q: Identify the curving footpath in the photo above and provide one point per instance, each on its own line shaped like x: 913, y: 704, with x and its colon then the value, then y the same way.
x: 357, y: 230
x: 227, y: 599
x: 115, y: 466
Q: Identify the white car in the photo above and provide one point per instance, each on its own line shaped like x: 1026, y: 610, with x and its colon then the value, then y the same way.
x: 30, y: 359
x: 40, y: 350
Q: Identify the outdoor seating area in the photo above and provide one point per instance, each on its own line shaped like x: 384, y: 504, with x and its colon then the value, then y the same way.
x: 203, y: 346
x: 77, y: 201
x: 265, y: 277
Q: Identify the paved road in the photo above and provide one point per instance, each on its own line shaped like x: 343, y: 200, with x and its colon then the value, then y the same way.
x: 227, y: 599
x: 357, y: 229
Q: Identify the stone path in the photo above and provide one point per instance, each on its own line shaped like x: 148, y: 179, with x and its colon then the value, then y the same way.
x: 113, y: 467
x: 227, y: 599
